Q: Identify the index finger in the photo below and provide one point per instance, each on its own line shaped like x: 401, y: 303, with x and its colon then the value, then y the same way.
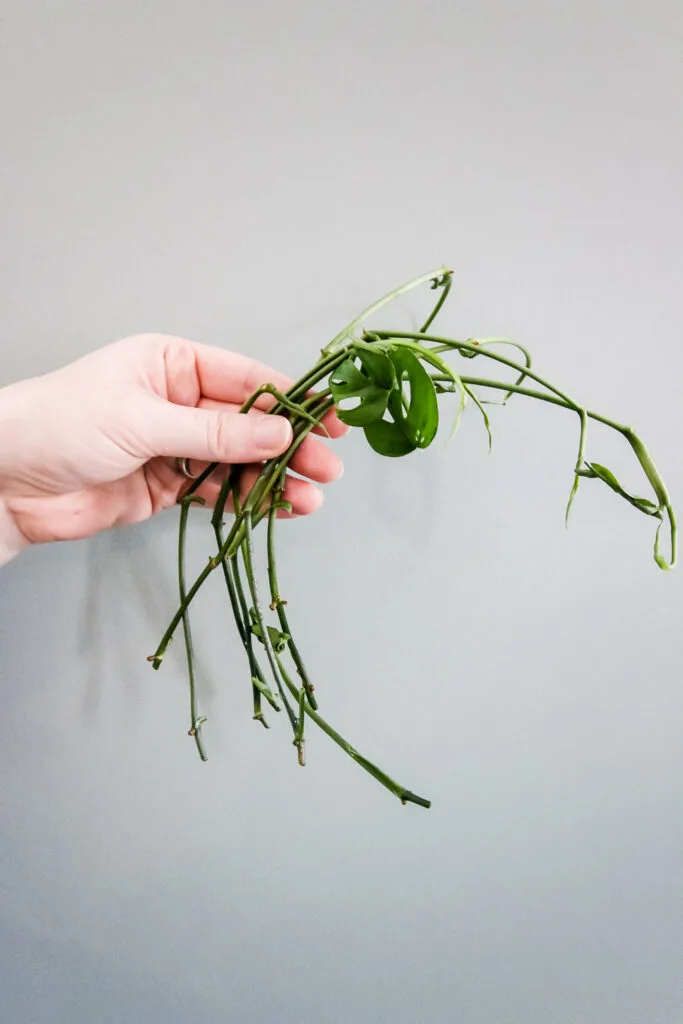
x: 226, y: 376
x: 231, y: 377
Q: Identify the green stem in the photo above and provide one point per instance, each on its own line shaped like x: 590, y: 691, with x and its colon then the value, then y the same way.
x: 499, y: 385
x: 485, y: 342
x: 445, y: 284
x: 299, y: 741
x: 247, y: 555
x: 404, y: 795
x: 513, y: 344
x: 273, y: 470
x: 341, y: 340
x: 282, y: 400
x: 642, y: 454
x: 239, y: 608
x: 197, y: 483
x: 256, y: 504
x: 415, y: 341
x: 305, y: 409
x: 323, y: 368
x: 482, y: 410
x: 659, y: 487
x: 580, y: 459
x: 278, y: 605
x: 212, y: 564
x: 195, y: 720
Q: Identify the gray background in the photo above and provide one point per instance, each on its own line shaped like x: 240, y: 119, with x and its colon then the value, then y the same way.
x: 251, y: 175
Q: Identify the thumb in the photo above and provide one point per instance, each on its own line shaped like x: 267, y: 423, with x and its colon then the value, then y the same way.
x: 212, y: 436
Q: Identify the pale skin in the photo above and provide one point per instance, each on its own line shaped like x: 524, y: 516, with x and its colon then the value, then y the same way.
x: 94, y: 445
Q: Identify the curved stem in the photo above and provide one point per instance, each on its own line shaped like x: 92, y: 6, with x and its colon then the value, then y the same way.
x: 642, y: 454
x: 659, y: 487
x: 445, y: 284
x: 282, y: 400
x: 346, y: 335
x: 578, y: 467
x: 482, y: 410
x: 414, y: 342
x: 513, y: 344
x: 414, y: 339
x: 501, y: 385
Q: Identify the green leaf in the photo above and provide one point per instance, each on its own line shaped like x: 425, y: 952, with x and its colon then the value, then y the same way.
x: 278, y: 640
x: 659, y: 559
x: 420, y: 420
x: 376, y: 364
x: 389, y: 439
x: 428, y: 356
x: 594, y: 469
x: 348, y: 382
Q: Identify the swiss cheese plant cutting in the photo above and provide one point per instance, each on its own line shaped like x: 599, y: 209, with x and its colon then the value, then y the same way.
x: 389, y: 384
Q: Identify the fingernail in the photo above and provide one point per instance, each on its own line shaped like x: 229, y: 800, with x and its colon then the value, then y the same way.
x: 272, y: 434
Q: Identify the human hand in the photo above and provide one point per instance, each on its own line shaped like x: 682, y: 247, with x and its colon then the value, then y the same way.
x: 94, y: 444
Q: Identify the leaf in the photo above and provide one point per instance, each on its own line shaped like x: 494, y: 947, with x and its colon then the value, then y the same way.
x: 387, y: 438
x: 660, y: 559
x: 440, y: 364
x: 348, y: 382
x: 594, y: 469
x: 278, y: 640
x: 420, y: 420
x: 376, y: 364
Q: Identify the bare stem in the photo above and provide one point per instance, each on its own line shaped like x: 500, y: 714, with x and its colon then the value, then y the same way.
x: 278, y: 605
x: 247, y: 555
x: 195, y: 721
x: 238, y: 603
x: 404, y: 795
x: 345, y: 337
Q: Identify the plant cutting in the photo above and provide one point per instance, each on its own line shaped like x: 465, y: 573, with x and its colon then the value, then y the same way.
x: 387, y: 383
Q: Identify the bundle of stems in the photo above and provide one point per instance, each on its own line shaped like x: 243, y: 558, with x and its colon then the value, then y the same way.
x: 387, y: 383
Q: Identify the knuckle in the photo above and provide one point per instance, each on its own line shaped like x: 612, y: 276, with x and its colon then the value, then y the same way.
x: 221, y: 439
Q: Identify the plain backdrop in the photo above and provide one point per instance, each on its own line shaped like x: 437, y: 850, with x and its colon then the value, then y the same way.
x: 252, y: 175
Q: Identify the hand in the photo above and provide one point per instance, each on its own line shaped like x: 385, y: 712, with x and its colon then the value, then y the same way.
x: 94, y: 445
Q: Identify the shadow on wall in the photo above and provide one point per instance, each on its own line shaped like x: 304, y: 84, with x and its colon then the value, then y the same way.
x: 128, y: 597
